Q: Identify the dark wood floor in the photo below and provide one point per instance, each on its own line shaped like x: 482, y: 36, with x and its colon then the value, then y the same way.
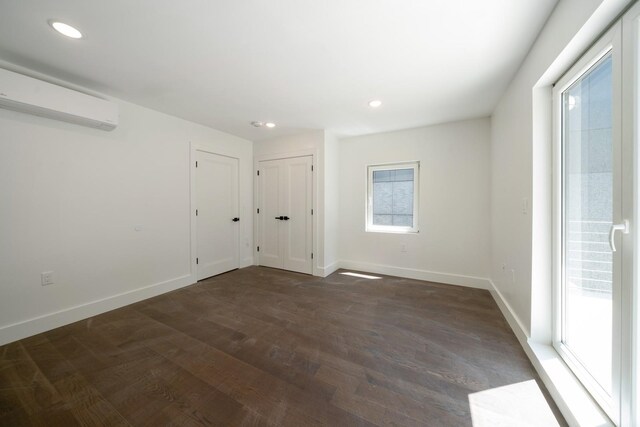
x: 265, y: 347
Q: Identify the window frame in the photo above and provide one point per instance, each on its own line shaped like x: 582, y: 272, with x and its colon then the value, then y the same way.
x: 609, y: 44
x: 370, y: 226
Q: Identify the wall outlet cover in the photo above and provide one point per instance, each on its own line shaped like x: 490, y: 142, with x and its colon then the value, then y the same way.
x: 46, y: 278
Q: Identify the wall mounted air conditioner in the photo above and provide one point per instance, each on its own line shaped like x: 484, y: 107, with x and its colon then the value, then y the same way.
x: 28, y: 95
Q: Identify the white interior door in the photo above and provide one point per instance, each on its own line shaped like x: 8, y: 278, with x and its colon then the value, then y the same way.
x: 284, y: 218
x: 296, y: 228
x: 270, y: 207
x: 217, y: 219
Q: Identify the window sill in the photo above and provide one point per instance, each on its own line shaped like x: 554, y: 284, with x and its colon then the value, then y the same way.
x: 374, y: 230
x: 573, y: 400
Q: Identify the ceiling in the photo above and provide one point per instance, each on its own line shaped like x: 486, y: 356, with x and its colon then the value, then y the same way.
x: 303, y: 64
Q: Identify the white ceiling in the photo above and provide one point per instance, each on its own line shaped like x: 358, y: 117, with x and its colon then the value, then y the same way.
x: 303, y: 64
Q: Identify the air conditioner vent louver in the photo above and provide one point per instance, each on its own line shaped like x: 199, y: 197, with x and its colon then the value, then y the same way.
x: 32, y: 96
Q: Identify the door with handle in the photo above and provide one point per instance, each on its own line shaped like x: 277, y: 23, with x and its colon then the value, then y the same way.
x: 623, y: 228
x: 217, y: 228
x: 284, y: 218
x: 590, y: 221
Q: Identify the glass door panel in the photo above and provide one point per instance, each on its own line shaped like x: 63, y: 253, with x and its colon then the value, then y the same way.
x: 588, y: 212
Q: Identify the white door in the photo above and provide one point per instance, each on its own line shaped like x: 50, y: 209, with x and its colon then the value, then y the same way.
x: 270, y: 209
x: 590, y: 221
x: 296, y: 229
x: 284, y: 218
x: 217, y: 218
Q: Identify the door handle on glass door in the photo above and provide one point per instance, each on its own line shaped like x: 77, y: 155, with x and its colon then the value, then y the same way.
x: 286, y: 218
x: 236, y: 219
x: 624, y: 227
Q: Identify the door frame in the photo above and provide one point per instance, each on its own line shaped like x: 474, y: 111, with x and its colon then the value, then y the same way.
x: 193, y: 224
x: 630, y: 328
x: 608, y: 43
x: 314, y: 201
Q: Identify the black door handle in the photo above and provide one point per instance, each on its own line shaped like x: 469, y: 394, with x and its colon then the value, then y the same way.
x: 235, y: 219
x: 280, y: 218
x: 286, y: 218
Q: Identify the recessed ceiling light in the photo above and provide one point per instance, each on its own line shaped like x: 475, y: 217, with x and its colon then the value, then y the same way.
x: 257, y: 124
x: 66, y: 30
x: 270, y: 125
x: 375, y: 103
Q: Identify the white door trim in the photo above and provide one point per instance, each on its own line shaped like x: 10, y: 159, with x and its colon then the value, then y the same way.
x: 314, y: 153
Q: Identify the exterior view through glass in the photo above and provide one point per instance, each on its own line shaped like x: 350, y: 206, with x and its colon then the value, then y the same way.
x: 587, y: 175
x: 393, y: 197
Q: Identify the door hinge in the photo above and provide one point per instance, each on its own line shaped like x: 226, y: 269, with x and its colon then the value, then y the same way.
x: 258, y: 248
x: 311, y: 211
x: 196, y: 164
x: 196, y: 260
x: 311, y: 168
x: 196, y: 212
x: 258, y: 173
x: 258, y: 210
x: 311, y: 255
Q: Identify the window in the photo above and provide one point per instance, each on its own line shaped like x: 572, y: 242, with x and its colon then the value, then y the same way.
x: 587, y: 210
x: 392, y: 199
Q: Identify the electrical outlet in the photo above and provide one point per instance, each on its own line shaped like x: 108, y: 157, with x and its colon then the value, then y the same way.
x: 46, y: 278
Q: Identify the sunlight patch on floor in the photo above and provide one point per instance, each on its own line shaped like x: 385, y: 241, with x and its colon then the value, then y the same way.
x: 515, y: 405
x: 360, y: 275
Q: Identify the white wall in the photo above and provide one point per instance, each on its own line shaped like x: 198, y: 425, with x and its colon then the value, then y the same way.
x: 72, y: 198
x: 520, y: 158
x: 286, y: 145
x: 453, y: 245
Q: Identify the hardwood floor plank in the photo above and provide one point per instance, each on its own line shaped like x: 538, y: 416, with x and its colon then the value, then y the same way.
x: 87, y: 405
x: 264, y: 347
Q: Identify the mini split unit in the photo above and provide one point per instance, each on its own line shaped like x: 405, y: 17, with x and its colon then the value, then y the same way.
x: 33, y: 96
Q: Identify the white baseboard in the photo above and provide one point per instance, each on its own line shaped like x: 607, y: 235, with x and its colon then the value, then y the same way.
x: 412, y: 273
x: 327, y: 270
x: 521, y: 331
x: 36, y: 325
x: 573, y: 400
x: 247, y: 262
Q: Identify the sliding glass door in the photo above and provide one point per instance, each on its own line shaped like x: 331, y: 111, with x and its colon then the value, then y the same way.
x: 588, y: 215
x: 588, y: 211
